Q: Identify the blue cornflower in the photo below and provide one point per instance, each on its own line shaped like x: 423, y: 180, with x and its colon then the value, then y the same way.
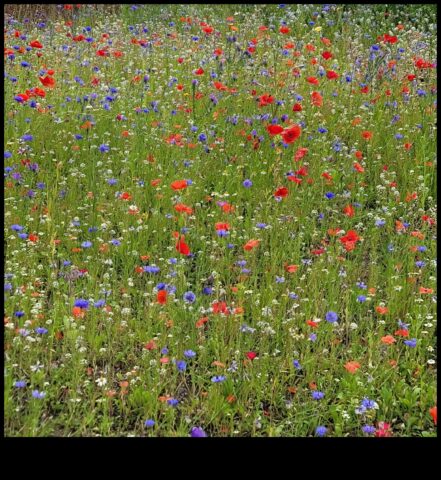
x: 173, y: 402
x: 197, y: 432
x: 321, y: 431
x: 41, y: 330
x: 189, y: 297
x: 218, y: 379
x: 151, y: 269
x: 86, y: 244
x: 331, y: 317
x: 361, y: 298
x: 329, y: 195
x: 20, y: 384
x: 181, y: 365
x: 37, y: 394
x: 420, y: 264
x: 104, y: 148
x: 296, y: 364
x: 316, y: 395
x: 81, y: 302
x: 411, y: 343
x: 368, y: 429
x: 189, y: 353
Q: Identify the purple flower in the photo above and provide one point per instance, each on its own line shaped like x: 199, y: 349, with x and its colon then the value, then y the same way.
x: 411, y: 343
x: 20, y: 384
x: 368, y: 429
x: 321, y: 431
x: 331, y: 317
x: 181, y: 365
x: 37, y: 394
x: 149, y: 423
x: 218, y: 379
x: 197, y: 432
x: 189, y: 297
x: 316, y: 395
x: 172, y: 402
x: 247, y: 183
x: 41, y: 330
x: 86, y: 244
x: 189, y: 353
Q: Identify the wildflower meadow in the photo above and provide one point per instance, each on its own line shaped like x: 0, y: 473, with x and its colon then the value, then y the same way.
x: 220, y: 220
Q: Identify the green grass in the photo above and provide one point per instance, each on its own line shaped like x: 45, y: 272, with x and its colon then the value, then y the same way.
x: 257, y: 398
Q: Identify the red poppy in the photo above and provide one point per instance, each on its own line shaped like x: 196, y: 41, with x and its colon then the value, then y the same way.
x: 182, y: 247
x: 199, y: 71
x: 161, y: 297
x: 222, y: 226
x: 327, y: 55
x: 208, y: 29
x: 219, y: 307
x: 297, y: 107
x: 220, y: 86
x: 251, y: 244
x: 284, y: 30
x: 316, y: 99
x: 331, y: 75
x: 47, y: 81
x: 281, y: 192
x: 251, y: 355
x: 301, y: 152
x: 36, y: 44
x: 349, y: 210
x: 312, y: 80
x: 180, y: 207
x: 179, y: 184
x: 358, y: 167
x: 291, y: 134
x: 367, y: 135
x: 291, y: 268
x: 265, y: 100
x: 274, y: 129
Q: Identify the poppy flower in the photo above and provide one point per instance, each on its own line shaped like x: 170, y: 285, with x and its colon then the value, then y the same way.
x: 284, y: 30
x: 352, y: 367
x: 265, y: 99
x: 281, y: 192
x: 36, y: 44
x: 367, y: 135
x: 331, y: 75
x: 199, y: 71
x: 251, y: 355
x: 316, y: 99
x: 179, y: 184
x: 291, y: 134
x: 251, y: 244
x: 388, y: 340
x: 220, y: 86
x: 161, y: 297
x: 274, y: 129
x: 47, y: 81
x: 291, y: 268
x: 381, y: 310
x: 297, y: 107
x: 182, y: 247
x: 312, y: 80
x: 349, y: 210
x: 300, y: 153
x: 180, y: 207
x: 327, y: 55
